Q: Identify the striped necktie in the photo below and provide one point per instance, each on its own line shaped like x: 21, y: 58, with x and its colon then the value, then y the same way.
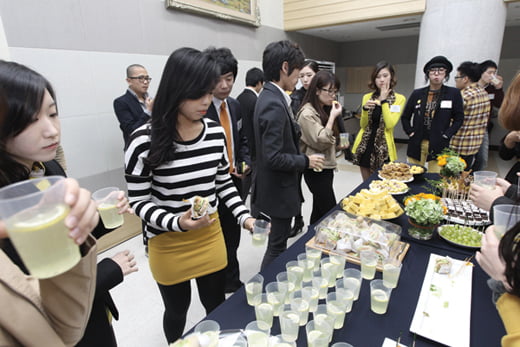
x: 225, y: 122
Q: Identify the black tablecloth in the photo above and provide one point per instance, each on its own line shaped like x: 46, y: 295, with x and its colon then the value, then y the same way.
x: 363, y: 327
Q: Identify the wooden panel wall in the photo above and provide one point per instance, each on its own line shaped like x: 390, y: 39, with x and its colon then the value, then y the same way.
x: 306, y: 14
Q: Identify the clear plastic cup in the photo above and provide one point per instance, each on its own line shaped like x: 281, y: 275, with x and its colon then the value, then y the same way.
x: 379, y: 296
x: 264, y: 311
x: 293, y: 267
x: 311, y: 294
x: 315, y: 255
x: 300, y: 305
x: 368, y: 264
x: 260, y: 231
x: 253, y: 288
x: 321, y: 315
x: 486, y: 179
x: 34, y: 213
x: 276, y: 295
x: 321, y: 282
x: 336, y: 308
x: 307, y: 264
x: 344, y: 139
x: 257, y: 334
x: 328, y: 271
x: 339, y: 262
x: 317, y: 334
x: 504, y: 218
x: 106, y: 201
x: 287, y: 279
x: 289, y: 323
x: 352, y: 279
x: 345, y: 294
x: 210, y: 329
x: 322, y: 156
x: 391, y: 272
x: 342, y: 344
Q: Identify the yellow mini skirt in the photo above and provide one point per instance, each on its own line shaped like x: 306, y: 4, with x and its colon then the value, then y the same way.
x: 176, y: 257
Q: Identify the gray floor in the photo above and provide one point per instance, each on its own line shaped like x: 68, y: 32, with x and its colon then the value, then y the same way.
x: 138, y: 299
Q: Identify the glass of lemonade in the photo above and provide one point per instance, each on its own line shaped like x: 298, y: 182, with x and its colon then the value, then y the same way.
x: 321, y: 282
x: 293, y: 267
x: 368, y: 264
x: 379, y: 296
x: 391, y: 271
x: 504, y: 218
x: 339, y: 263
x: 486, y: 179
x: 328, y: 271
x: 352, y: 280
x: 317, y: 334
x: 260, y: 230
x: 300, y: 305
x: 314, y: 255
x: 263, y: 309
x: 106, y: 200
x: 345, y: 294
x: 336, y: 308
x: 344, y: 139
x: 253, y: 288
x: 307, y: 264
x: 210, y: 329
x: 34, y: 213
x: 257, y: 334
x: 321, y: 315
x: 311, y: 294
x: 289, y: 323
x: 276, y: 294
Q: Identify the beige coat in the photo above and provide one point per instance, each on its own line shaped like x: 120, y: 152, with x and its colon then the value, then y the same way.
x: 50, y: 312
x: 315, y: 137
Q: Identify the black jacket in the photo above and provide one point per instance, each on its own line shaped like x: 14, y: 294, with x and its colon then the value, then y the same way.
x: 445, y: 123
x: 130, y: 114
x: 247, y: 100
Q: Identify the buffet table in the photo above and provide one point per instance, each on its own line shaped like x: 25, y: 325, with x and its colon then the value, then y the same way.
x: 363, y: 327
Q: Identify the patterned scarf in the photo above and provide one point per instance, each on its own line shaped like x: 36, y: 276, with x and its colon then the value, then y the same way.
x: 379, y: 153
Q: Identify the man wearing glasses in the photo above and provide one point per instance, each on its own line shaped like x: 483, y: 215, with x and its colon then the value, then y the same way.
x: 468, y: 139
x: 432, y: 115
x: 134, y: 108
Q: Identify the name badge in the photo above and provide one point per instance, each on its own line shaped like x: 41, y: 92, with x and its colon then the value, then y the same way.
x: 395, y: 108
x: 491, y: 96
x: 446, y: 104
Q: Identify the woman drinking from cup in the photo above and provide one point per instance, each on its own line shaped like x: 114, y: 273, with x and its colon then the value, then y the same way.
x: 169, y: 162
x: 374, y: 144
x: 30, y: 135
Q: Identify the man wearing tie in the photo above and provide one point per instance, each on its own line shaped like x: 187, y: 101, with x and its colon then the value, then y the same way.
x: 226, y: 111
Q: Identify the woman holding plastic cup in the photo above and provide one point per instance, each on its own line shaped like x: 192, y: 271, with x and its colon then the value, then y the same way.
x: 374, y: 144
x: 30, y: 135
x: 320, y: 135
x: 181, y: 155
x: 66, y: 298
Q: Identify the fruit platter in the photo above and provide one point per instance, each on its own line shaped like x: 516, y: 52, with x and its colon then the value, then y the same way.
x: 347, y: 235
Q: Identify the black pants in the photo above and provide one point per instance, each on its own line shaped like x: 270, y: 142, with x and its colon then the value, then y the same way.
x: 277, y: 241
x: 177, y: 299
x: 320, y: 185
x: 231, y: 231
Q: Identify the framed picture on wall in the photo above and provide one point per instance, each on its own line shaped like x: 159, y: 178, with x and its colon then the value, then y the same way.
x: 242, y: 11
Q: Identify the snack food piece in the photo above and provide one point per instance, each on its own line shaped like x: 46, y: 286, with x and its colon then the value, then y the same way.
x: 373, y: 204
x: 199, y: 206
x: 397, y: 171
x: 415, y: 170
x: 443, y: 265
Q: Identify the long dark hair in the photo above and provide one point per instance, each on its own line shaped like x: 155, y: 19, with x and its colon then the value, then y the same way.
x: 322, y: 79
x: 22, y: 92
x: 509, y: 250
x: 189, y: 74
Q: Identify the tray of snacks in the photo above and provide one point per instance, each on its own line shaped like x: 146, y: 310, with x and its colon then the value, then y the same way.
x: 394, y: 187
x: 371, y: 203
x: 396, y: 171
x: 465, y: 212
x: 459, y: 235
x: 347, y: 235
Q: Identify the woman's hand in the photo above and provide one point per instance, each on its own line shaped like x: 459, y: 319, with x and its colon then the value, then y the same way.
x: 370, y: 104
x: 511, y: 139
x: 187, y: 223
x: 126, y: 262
x: 83, y: 216
x: 249, y: 224
x: 483, y: 197
x: 385, y: 91
x: 123, y: 205
x: 335, y: 110
x: 489, y: 258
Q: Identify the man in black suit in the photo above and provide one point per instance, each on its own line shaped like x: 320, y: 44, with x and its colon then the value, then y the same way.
x: 276, y: 186
x: 247, y: 100
x: 226, y: 111
x: 134, y: 108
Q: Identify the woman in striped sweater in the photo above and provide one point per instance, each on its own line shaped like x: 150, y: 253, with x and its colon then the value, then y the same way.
x: 178, y: 156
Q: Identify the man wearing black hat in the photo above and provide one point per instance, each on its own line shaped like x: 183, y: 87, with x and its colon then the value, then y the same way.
x: 432, y: 115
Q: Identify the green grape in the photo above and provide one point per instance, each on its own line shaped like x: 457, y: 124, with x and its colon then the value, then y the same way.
x: 462, y: 235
